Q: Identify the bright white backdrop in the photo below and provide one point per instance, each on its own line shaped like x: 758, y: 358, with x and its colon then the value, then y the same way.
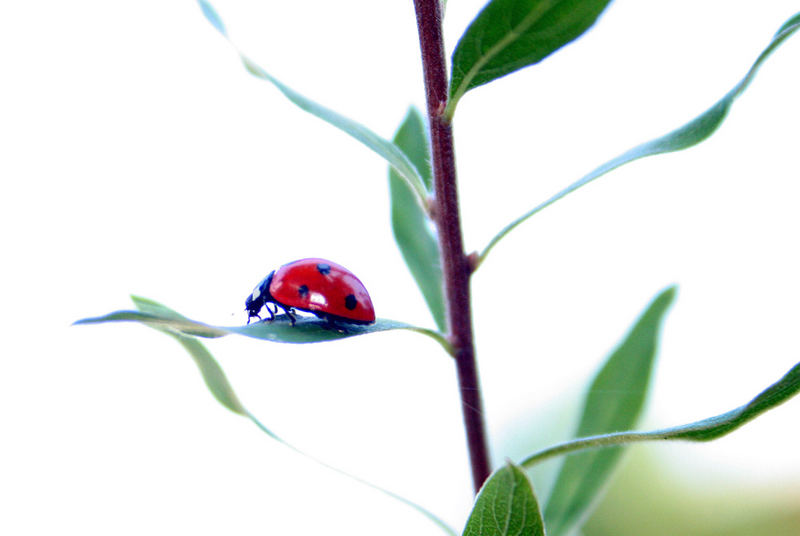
x: 137, y: 156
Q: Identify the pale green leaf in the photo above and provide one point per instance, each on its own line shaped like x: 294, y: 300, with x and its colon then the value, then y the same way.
x: 413, y: 231
x: 684, y: 137
x: 306, y: 329
x: 212, y: 373
x: 213, y: 17
x: 386, y: 149
x: 217, y: 383
x: 613, y: 403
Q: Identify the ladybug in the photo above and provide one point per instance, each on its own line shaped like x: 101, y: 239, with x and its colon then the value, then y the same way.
x: 324, y: 288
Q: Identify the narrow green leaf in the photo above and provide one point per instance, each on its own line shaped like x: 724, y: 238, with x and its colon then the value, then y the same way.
x: 506, y: 506
x: 413, y: 232
x: 412, y: 139
x: 180, y: 325
x: 715, y: 427
x: 213, y: 17
x: 386, y: 149
x: 306, y: 329
x: 213, y: 375
x: 704, y: 430
x: 508, y: 35
x: 218, y: 384
x: 794, y: 20
x: 613, y: 403
x: 690, y: 134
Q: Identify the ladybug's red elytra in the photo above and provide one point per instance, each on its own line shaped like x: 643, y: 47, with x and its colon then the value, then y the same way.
x: 317, y: 286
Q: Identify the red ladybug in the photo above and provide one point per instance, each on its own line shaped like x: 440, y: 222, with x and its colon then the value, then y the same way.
x: 317, y: 286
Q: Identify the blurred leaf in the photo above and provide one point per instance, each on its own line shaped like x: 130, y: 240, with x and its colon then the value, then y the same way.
x: 218, y: 384
x: 179, y: 325
x: 213, y: 375
x: 508, y: 35
x: 506, y: 506
x: 648, y: 498
x: 684, y: 137
x: 390, y: 152
x: 305, y: 330
x: 412, y: 139
x: 146, y: 305
x: 613, y: 403
x: 412, y: 229
x: 213, y: 17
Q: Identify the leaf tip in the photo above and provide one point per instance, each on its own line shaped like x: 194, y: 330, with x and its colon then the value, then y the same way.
x: 142, y: 303
x: 794, y: 20
x: 670, y: 292
x: 412, y: 113
x: 211, y: 16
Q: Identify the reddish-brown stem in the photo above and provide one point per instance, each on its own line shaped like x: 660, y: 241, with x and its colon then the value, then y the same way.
x: 455, y: 265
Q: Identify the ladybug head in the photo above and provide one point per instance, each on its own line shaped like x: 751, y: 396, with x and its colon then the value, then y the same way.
x: 258, y: 298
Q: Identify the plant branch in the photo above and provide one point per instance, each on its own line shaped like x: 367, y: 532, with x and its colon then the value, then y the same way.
x: 455, y: 266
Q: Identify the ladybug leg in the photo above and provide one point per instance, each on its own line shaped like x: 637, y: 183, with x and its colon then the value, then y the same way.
x: 332, y: 324
x: 250, y: 317
x: 290, y: 313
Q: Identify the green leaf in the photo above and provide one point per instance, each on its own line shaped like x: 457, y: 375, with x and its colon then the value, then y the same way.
x: 704, y: 430
x: 389, y: 151
x: 179, y: 325
x: 213, y: 17
x: 218, y: 384
x: 716, y: 427
x: 413, y: 232
x: 506, y: 506
x: 690, y: 134
x: 305, y: 330
x: 613, y: 403
x: 508, y: 35
x: 212, y: 373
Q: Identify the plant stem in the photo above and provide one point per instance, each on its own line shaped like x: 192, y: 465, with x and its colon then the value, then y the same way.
x: 455, y: 266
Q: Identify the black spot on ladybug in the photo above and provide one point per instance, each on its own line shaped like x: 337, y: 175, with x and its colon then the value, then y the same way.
x: 350, y: 302
x: 302, y: 291
x: 323, y: 268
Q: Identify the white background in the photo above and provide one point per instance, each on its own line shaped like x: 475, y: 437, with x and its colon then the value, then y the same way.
x: 137, y: 156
